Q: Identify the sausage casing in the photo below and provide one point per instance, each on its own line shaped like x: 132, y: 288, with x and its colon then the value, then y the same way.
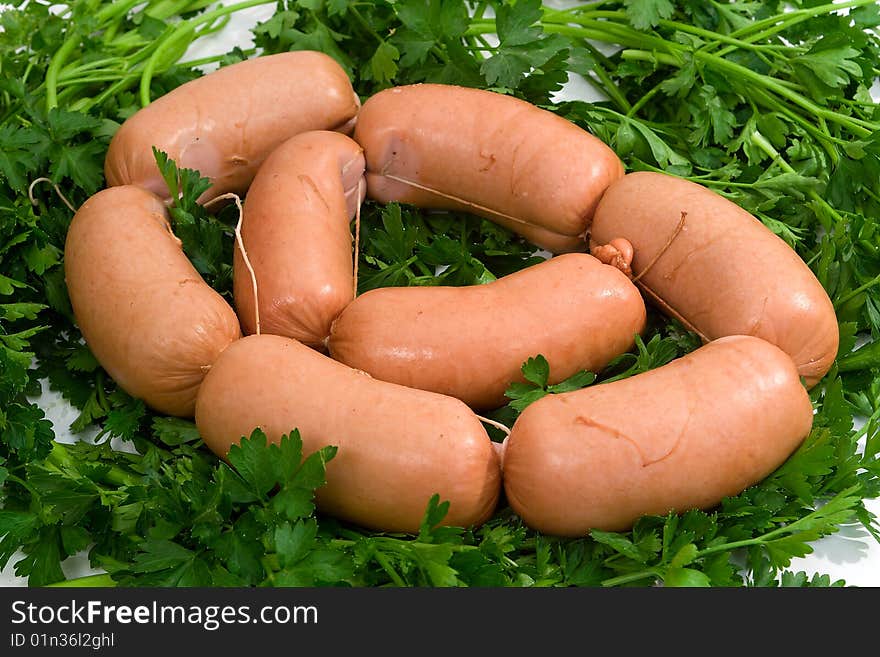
x: 724, y: 272
x: 225, y: 123
x: 470, y: 342
x: 295, y: 231
x: 144, y: 311
x: 679, y: 437
x: 490, y: 154
x: 397, y: 446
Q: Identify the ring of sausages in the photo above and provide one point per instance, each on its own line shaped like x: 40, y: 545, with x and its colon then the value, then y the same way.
x: 573, y: 462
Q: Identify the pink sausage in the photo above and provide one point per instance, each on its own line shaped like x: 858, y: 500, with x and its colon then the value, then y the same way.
x: 443, y: 146
x: 295, y: 231
x: 225, y: 123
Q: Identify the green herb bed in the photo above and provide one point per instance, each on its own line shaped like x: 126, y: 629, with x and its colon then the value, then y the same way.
x: 771, y: 109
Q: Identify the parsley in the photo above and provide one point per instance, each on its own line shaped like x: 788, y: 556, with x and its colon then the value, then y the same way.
x: 770, y: 108
x: 536, y: 371
x: 206, y: 240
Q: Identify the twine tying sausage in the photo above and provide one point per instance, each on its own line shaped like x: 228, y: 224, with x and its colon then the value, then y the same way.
x: 357, y: 235
x: 503, y: 427
x: 611, y: 255
x: 57, y: 191
x: 654, y: 296
x: 660, y: 253
x: 451, y: 197
x: 240, y: 243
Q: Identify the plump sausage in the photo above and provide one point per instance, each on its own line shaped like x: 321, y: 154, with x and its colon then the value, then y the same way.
x: 225, y: 123
x: 683, y: 436
x: 144, y: 311
x: 295, y: 231
x: 490, y: 154
x: 470, y: 342
x: 723, y: 273
x: 397, y: 446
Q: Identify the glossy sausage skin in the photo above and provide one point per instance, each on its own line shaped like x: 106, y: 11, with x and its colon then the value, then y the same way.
x: 507, y: 160
x: 470, y: 342
x: 396, y: 446
x: 144, y: 311
x: 295, y: 230
x: 679, y: 437
x: 225, y: 123
x: 724, y: 273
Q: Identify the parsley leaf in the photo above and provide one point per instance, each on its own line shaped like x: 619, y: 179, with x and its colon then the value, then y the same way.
x: 645, y: 14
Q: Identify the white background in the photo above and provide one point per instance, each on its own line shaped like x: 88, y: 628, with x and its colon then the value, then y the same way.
x: 851, y: 554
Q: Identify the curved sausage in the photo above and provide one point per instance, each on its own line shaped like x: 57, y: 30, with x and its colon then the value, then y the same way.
x: 486, y: 153
x: 225, y: 123
x: 144, y: 311
x: 723, y: 273
x: 397, y: 446
x: 470, y: 342
x: 295, y: 231
x: 679, y: 437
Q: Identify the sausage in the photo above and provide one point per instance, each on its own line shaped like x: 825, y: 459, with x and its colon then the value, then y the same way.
x: 486, y: 153
x: 144, y: 311
x: 295, y: 231
x: 723, y: 273
x: 679, y: 437
x: 225, y: 123
x: 470, y: 342
x: 397, y: 446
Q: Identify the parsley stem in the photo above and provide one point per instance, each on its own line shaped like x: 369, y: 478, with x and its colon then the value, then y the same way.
x: 113, y: 10
x: 781, y: 22
x: 186, y: 31
x: 824, y: 138
x: 871, y: 283
x: 797, y: 16
x: 73, y: 71
x: 383, y: 561
x: 588, y: 18
x: 102, y: 580
x: 440, y: 54
x: 653, y: 57
x: 54, y: 69
x: 646, y: 47
x: 631, y: 577
x: 863, y: 358
x: 640, y: 103
x: 164, y: 9
x: 804, y: 523
x: 23, y: 484
x: 608, y: 85
x: 60, y: 459
x: 761, y: 142
x: 110, y: 91
x: 856, y: 126
x: 364, y: 24
x: 101, y: 393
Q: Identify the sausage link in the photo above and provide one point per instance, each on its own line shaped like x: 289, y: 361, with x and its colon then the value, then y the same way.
x: 719, y: 270
x: 295, y: 232
x: 443, y: 146
x: 397, y: 446
x: 144, y: 311
x: 470, y: 342
x: 225, y: 123
x: 679, y: 437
